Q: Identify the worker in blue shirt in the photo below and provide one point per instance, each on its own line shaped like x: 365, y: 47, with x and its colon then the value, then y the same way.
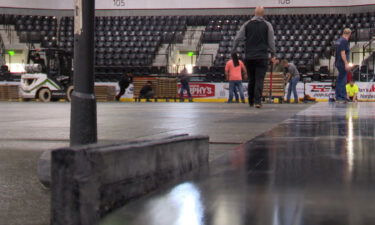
x: 342, y: 64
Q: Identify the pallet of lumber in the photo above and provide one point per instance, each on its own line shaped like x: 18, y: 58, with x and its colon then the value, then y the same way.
x: 163, y: 87
x: 105, y: 93
x: 278, y: 85
x: 167, y: 88
x: 9, y: 92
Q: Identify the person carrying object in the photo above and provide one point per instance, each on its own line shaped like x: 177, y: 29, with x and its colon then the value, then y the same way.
x: 235, y: 72
x: 259, y: 39
x: 292, y: 77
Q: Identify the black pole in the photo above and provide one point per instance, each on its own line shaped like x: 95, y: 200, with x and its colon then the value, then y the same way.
x: 83, y: 128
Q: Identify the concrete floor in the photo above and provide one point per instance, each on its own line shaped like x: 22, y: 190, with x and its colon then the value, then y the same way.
x: 316, y: 168
x: 28, y: 129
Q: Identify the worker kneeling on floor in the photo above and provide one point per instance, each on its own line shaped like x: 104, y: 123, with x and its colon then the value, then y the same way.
x: 146, y: 92
x: 352, y: 91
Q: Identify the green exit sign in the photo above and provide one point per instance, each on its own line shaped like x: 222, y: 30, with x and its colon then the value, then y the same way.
x: 190, y: 53
x: 11, y: 53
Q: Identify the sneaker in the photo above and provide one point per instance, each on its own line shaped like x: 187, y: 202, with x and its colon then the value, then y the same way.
x: 341, y: 101
x: 258, y: 106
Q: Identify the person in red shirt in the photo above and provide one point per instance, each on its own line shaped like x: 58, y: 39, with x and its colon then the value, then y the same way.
x: 235, y: 72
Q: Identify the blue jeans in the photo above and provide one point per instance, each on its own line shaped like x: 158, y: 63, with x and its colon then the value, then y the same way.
x: 341, y: 84
x: 235, y: 85
x: 293, y: 87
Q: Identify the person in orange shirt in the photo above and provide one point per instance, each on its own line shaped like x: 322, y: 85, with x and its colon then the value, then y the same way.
x: 235, y: 72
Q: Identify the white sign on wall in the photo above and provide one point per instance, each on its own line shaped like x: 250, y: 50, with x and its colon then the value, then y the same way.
x: 34, y: 4
x: 173, y: 4
x: 206, y: 4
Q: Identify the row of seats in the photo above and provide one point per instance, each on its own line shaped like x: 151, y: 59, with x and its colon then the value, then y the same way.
x: 100, y: 61
x: 131, y: 28
x: 124, y: 41
x: 32, y: 29
x: 199, y: 20
x: 134, y: 41
x: 300, y: 38
x: 113, y: 73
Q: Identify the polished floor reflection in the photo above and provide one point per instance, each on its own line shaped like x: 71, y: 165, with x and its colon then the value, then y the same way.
x: 317, y: 168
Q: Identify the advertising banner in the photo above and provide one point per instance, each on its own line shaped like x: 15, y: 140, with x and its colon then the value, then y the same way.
x: 212, y: 90
x: 220, y: 91
x: 201, y: 90
x: 322, y: 91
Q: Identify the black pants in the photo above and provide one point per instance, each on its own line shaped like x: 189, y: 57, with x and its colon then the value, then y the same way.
x: 147, y: 95
x: 256, y: 69
x: 122, y: 91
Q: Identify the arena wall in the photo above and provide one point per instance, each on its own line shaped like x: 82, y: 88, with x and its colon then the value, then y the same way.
x: 194, y: 7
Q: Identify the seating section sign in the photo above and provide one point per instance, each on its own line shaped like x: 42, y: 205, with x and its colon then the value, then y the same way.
x: 173, y: 4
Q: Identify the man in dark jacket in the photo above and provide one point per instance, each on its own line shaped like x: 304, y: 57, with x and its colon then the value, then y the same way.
x: 146, y: 92
x: 258, y: 36
x: 124, y: 83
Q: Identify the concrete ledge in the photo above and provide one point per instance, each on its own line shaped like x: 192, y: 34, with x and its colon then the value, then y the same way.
x: 90, y: 181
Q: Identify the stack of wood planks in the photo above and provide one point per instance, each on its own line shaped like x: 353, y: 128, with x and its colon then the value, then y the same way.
x: 105, y: 93
x: 9, y: 92
x: 167, y: 88
x: 163, y: 87
x: 276, y: 89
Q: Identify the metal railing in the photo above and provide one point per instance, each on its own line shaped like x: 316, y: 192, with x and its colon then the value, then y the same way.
x: 8, y: 30
x: 366, y: 49
x: 2, y: 51
x: 200, y: 43
x: 364, y: 75
x: 170, y: 48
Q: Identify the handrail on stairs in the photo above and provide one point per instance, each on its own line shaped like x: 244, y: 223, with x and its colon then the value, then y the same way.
x: 2, y: 51
x: 200, y: 43
x: 169, y: 48
x: 368, y: 45
x: 367, y: 48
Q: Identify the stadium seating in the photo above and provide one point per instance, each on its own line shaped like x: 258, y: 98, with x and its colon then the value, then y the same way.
x: 36, y: 29
x: 130, y: 43
x: 127, y: 44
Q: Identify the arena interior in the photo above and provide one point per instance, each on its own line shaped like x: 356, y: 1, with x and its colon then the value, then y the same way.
x: 78, y: 148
